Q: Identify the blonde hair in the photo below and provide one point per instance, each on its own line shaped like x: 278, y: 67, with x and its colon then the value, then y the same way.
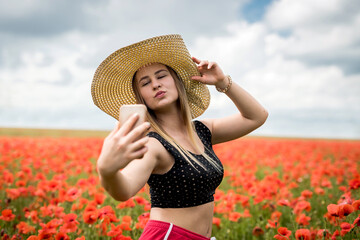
x: 185, y: 112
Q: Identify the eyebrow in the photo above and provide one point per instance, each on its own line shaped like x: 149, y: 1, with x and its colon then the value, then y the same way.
x: 157, y: 72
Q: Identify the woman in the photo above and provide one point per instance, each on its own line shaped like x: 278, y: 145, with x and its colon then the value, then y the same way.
x: 176, y: 157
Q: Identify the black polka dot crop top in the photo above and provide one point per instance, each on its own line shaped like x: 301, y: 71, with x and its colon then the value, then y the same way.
x: 183, y: 186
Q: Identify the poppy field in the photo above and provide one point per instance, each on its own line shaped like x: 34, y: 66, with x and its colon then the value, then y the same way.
x: 272, y: 189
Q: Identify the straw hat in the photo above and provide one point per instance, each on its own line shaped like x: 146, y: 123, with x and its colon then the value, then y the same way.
x: 112, y: 83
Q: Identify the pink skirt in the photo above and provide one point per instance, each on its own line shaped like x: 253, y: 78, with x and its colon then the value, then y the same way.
x: 158, y: 230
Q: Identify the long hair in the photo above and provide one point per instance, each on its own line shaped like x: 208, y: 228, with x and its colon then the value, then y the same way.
x: 185, y: 113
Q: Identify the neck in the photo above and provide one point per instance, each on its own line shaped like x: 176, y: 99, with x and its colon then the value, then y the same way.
x: 172, y: 122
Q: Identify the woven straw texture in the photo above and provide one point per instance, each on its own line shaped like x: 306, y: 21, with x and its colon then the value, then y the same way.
x: 111, y: 86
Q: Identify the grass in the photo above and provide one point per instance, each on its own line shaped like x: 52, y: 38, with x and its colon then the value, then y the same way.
x: 38, y: 132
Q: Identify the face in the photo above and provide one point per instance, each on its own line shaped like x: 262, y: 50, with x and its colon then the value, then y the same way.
x: 156, y: 86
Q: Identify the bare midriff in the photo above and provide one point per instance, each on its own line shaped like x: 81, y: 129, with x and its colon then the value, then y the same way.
x: 197, y: 219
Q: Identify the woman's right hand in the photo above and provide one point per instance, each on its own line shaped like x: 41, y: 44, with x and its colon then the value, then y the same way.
x: 123, y: 145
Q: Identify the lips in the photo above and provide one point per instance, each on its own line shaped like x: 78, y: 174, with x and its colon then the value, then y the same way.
x: 159, y: 93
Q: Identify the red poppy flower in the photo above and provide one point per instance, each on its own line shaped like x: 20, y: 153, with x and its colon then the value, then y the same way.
x: 70, y: 223
x: 33, y: 237
x: 12, y: 193
x: 275, y: 216
x: 127, y: 218
x: 72, y: 194
x: 90, y: 217
x: 302, y: 219
x: 354, y: 183
x: 257, y: 231
x: 115, y: 231
x: 62, y: 236
x: 301, y: 206
x: 234, y: 216
x: 90, y: 207
x: 271, y: 224
x: 127, y: 204
x: 319, y: 191
x: 345, y: 228
x: 333, y: 210
x: 142, y: 220
x: 356, y: 205
x: 140, y: 200
x: 125, y: 226
x: 302, y: 234
x: 357, y: 222
x: 283, y: 202
x: 46, y: 233
x: 24, y: 228
x: 323, y: 234
x: 346, y: 209
x: 217, y: 221
x: 283, y: 233
x: 7, y: 215
x: 306, y: 194
x: 53, y: 185
x: 99, y: 198
x: 335, y: 234
x: 340, y: 210
x: 107, y: 212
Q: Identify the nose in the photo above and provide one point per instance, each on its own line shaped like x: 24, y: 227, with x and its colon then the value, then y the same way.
x: 155, y: 84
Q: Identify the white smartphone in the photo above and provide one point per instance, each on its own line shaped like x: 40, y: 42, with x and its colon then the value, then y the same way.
x: 127, y: 111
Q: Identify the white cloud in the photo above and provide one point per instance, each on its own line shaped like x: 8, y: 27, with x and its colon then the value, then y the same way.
x: 302, y: 73
x: 301, y: 59
x: 237, y: 51
x: 316, y: 32
x: 289, y: 14
x: 277, y: 81
x: 19, y: 9
x: 289, y: 84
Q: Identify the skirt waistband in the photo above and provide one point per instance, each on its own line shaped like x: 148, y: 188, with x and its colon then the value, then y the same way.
x: 176, y: 229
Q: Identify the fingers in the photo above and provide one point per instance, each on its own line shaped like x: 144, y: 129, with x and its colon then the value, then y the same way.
x: 139, y: 148
x: 203, y: 63
x: 198, y: 78
x: 127, y: 125
x: 200, y: 63
x: 211, y: 64
x: 139, y: 144
x: 197, y: 61
x: 138, y: 132
x: 116, y: 128
x: 140, y: 153
x: 207, y: 64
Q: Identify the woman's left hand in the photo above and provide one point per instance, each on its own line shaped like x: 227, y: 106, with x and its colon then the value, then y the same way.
x: 211, y: 73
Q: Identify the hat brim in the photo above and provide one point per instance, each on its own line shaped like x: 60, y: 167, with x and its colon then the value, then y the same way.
x: 112, y: 83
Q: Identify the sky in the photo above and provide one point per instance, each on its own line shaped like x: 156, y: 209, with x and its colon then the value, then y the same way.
x: 299, y: 59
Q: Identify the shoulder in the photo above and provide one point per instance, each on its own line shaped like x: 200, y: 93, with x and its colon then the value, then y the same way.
x: 158, y: 150
x: 154, y: 147
x: 207, y: 123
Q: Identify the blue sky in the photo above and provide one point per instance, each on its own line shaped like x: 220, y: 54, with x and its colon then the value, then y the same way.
x: 299, y: 59
x: 253, y: 11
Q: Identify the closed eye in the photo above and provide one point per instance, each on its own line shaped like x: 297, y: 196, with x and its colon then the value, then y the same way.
x: 145, y: 83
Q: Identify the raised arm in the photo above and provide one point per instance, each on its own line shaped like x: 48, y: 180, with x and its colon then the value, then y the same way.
x: 251, y: 114
x: 123, y: 150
